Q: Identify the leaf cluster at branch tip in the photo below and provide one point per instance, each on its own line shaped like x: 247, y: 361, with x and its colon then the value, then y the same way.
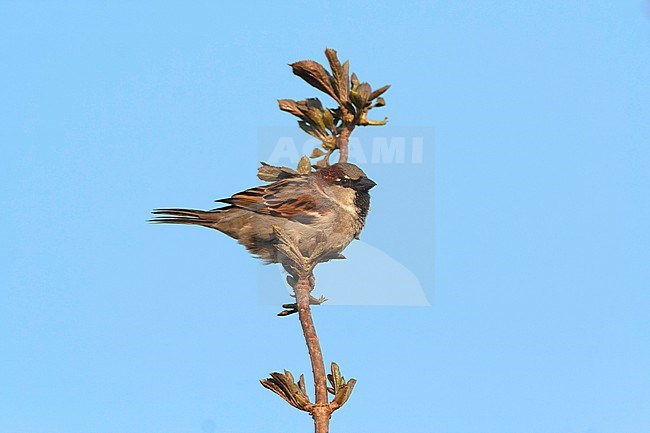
x: 354, y: 100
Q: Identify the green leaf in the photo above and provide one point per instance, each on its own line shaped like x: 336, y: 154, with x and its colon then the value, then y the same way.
x: 346, y: 76
x: 360, y: 96
x: 364, y: 90
x: 328, y: 120
x: 364, y: 121
x: 316, y: 153
x: 343, y: 394
x: 378, y: 92
x: 316, y: 118
x: 337, y: 379
x: 355, y: 98
x: 304, y: 166
x: 293, y: 393
x: 309, y: 129
x: 354, y: 80
x: 301, y: 385
x: 314, y: 102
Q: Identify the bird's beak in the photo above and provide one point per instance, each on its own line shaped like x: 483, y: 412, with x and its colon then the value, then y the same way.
x: 364, y: 184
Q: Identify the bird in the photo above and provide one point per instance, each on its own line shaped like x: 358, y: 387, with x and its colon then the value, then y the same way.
x: 324, y: 209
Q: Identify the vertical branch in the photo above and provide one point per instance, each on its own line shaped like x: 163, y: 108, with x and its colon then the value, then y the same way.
x: 320, y: 411
x: 302, y: 289
x: 342, y: 142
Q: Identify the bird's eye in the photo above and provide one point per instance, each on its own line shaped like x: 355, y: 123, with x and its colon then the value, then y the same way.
x: 344, y: 181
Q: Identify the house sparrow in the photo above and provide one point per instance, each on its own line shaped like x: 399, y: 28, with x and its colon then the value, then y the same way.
x: 333, y: 200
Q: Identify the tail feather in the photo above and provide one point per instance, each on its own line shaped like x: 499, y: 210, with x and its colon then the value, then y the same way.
x: 185, y: 216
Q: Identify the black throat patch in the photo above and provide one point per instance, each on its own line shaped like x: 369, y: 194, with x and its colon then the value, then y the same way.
x: 362, y: 203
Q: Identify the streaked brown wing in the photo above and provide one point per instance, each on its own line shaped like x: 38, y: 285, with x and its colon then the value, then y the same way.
x: 286, y: 199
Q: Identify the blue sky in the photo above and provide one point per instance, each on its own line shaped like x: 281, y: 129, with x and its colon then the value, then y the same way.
x: 525, y: 226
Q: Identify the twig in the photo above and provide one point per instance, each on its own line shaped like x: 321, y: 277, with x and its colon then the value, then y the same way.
x: 321, y: 411
x: 342, y: 142
x: 302, y: 280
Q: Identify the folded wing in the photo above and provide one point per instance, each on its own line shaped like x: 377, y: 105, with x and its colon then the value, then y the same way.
x: 288, y: 198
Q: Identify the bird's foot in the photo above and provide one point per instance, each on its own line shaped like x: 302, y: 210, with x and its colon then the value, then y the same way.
x: 312, y: 300
x: 317, y: 301
x: 288, y: 310
x: 293, y: 307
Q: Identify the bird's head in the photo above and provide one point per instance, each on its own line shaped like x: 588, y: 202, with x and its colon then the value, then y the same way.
x: 345, y: 175
x: 346, y: 184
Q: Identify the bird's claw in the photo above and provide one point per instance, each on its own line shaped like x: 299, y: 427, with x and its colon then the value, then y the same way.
x: 317, y: 301
x: 293, y: 307
x: 287, y: 311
